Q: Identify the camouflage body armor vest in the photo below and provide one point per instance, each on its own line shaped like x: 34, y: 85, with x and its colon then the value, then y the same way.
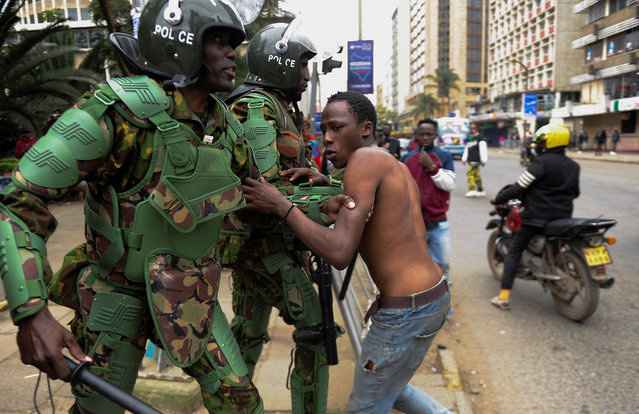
x: 163, y: 232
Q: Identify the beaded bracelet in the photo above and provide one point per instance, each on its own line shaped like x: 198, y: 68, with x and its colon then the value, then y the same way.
x: 288, y: 212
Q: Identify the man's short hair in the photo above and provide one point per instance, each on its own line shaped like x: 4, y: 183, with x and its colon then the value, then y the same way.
x: 431, y: 121
x: 360, y: 105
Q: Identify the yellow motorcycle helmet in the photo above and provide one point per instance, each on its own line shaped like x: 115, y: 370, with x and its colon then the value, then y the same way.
x: 551, y: 136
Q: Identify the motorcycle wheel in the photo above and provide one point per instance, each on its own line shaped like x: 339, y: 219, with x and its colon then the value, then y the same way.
x: 583, y: 290
x: 495, y: 251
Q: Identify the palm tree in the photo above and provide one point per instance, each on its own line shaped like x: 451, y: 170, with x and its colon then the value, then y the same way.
x: 115, y: 16
x: 37, y: 70
x: 385, y: 115
x: 445, y: 80
x: 424, y: 105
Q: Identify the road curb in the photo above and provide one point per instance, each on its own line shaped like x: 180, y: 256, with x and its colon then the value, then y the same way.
x: 453, y: 382
x: 621, y: 157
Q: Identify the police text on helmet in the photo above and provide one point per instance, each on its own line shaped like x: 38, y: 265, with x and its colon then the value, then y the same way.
x: 287, y: 62
x: 167, y: 33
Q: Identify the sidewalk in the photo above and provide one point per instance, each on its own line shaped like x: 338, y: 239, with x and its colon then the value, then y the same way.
x: 173, y: 392
x: 620, y: 157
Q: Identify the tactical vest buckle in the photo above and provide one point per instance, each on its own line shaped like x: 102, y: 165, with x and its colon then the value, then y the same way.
x: 103, y: 97
x: 167, y: 125
x: 256, y: 103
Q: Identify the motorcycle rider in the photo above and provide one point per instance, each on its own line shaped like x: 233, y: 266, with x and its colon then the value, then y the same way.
x: 546, y: 189
x: 268, y: 270
x: 163, y: 159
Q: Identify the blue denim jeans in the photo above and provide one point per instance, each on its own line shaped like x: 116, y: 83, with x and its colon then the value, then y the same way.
x: 392, y: 351
x: 438, y: 240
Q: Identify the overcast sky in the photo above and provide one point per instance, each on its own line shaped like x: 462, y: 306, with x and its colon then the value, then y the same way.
x: 332, y: 21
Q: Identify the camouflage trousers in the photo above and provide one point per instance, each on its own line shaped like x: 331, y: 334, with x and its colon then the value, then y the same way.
x: 117, y: 353
x: 473, y: 177
x: 260, y: 284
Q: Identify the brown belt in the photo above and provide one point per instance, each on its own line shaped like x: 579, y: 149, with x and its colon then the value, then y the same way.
x: 418, y: 299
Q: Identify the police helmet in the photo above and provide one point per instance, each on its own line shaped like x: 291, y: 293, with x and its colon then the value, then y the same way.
x: 551, y: 136
x: 274, y: 54
x: 170, y: 35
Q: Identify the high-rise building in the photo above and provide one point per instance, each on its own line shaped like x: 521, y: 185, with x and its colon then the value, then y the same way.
x: 530, y: 65
x: 451, y: 34
x: 607, y: 76
x: 33, y: 16
x: 399, y: 61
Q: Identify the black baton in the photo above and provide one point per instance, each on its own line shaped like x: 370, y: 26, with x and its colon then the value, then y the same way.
x: 80, y: 374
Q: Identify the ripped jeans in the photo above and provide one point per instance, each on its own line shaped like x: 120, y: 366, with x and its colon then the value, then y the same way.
x: 393, y: 349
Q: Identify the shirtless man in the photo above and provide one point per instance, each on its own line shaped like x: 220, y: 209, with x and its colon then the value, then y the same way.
x: 414, y: 296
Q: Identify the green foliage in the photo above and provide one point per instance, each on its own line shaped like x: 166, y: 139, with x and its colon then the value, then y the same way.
x: 53, y: 15
x: 103, y: 51
x: 37, y: 73
x: 445, y: 79
x: 121, y: 12
x: 425, y: 105
x: 7, y: 165
x: 385, y: 115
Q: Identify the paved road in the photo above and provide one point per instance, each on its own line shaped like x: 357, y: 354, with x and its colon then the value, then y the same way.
x: 531, y: 359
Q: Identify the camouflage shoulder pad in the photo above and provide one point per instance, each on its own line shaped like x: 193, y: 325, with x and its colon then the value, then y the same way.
x: 53, y: 161
x: 140, y: 95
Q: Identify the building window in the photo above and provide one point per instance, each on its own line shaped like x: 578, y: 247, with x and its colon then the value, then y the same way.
x: 593, y: 52
x: 596, y: 11
x: 72, y: 14
x: 623, y: 86
x: 616, y: 5
x: 473, y: 77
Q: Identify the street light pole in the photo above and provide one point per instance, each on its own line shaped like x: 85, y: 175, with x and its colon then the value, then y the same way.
x: 523, y: 98
x: 525, y: 73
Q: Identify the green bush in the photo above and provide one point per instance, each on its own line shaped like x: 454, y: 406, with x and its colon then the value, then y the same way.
x: 7, y: 165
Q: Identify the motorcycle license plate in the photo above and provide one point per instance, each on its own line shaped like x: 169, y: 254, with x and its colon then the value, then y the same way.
x: 597, y: 256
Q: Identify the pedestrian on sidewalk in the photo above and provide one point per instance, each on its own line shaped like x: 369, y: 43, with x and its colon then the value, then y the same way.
x: 614, y: 137
x: 600, y: 140
x: 476, y: 155
x: 583, y: 141
x: 25, y: 142
x: 414, y: 297
x: 163, y: 160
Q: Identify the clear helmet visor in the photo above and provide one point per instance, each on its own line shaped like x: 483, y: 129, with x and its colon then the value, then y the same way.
x: 313, y: 37
x: 247, y: 10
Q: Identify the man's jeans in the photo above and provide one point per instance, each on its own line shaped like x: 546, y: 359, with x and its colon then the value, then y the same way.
x: 438, y: 240
x: 392, y: 351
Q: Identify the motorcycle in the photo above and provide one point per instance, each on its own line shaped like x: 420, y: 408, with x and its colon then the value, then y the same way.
x: 568, y: 258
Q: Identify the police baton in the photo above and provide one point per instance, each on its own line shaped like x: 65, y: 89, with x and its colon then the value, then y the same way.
x: 80, y: 374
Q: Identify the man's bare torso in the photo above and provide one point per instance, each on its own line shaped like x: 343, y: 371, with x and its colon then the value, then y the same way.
x: 393, y: 244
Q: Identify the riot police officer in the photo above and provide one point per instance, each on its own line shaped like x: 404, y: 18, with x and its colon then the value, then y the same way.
x: 268, y: 269
x: 163, y: 159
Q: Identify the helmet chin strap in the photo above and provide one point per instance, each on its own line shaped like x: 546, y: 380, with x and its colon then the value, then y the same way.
x: 300, y: 126
x: 177, y: 81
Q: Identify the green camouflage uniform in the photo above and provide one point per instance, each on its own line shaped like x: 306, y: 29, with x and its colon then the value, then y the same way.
x: 182, y: 291
x: 269, y: 271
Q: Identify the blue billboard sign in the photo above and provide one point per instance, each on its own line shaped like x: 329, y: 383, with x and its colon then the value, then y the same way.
x: 360, y: 66
x: 530, y: 104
